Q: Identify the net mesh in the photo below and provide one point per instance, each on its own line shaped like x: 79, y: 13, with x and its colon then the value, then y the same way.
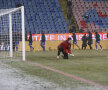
x: 5, y: 33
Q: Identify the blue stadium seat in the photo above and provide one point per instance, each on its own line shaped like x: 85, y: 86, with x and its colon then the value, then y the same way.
x: 40, y: 15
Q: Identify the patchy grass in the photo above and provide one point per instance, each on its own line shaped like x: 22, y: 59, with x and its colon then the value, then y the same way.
x: 90, y: 65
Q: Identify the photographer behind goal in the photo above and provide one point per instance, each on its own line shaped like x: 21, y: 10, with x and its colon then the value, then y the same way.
x: 65, y: 48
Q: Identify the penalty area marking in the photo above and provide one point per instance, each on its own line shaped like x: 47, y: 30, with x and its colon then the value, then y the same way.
x: 69, y: 75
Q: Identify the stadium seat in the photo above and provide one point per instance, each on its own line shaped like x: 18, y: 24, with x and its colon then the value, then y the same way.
x: 40, y: 14
x: 96, y: 11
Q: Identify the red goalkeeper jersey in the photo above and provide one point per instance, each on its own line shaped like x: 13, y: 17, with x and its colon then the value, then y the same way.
x: 66, y: 47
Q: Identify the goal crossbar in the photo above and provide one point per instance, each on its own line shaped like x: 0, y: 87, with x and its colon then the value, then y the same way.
x: 8, y: 11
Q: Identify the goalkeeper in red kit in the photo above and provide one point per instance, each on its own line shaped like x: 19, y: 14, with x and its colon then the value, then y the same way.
x: 65, y: 48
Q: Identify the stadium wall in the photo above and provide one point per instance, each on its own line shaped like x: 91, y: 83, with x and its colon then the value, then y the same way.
x: 53, y: 40
x: 52, y: 45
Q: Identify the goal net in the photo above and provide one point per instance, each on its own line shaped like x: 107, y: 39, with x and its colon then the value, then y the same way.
x: 12, y: 33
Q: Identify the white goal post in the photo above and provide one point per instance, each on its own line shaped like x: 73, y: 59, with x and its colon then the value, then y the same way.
x: 12, y: 33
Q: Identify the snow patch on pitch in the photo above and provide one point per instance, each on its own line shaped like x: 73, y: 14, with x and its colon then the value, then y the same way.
x: 13, y: 79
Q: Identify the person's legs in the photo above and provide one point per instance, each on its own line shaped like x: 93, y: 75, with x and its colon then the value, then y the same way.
x: 89, y: 43
x: 43, y: 45
x: 96, y: 45
x: 85, y: 47
x: 73, y: 46
x: 90, y: 46
x: 13, y: 47
x: 100, y: 46
x: 31, y: 48
x: 77, y: 46
x: 17, y: 46
x: 65, y: 55
x: 59, y: 51
x: 82, y: 47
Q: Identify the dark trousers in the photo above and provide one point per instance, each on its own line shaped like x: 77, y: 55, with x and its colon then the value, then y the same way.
x: 90, y: 43
x: 13, y: 46
x: 84, y: 45
x: 65, y: 55
x: 90, y: 46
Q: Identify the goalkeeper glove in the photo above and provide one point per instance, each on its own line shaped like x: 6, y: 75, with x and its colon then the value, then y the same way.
x: 71, y: 54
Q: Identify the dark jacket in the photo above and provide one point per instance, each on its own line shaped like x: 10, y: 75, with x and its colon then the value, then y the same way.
x: 107, y: 35
x: 74, y: 38
x: 66, y: 47
x: 84, y: 39
x: 90, y: 41
x: 69, y: 15
x: 43, y: 37
x: 69, y: 3
x: 30, y: 38
x: 97, y: 37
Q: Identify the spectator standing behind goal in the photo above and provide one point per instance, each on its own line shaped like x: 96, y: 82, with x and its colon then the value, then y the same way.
x: 18, y: 5
x: 65, y: 48
x: 69, y: 3
x: 75, y: 40
x: 43, y: 40
x: 90, y: 41
x: 30, y: 41
x: 69, y: 16
x: 84, y: 42
x: 97, y: 40
x: 107, y: 35
x: 15, y: 41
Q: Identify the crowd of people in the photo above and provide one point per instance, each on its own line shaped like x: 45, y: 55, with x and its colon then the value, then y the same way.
x: 65, y: 46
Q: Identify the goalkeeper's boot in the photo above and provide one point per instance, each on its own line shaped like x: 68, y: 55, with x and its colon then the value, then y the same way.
x: 57, y: 58
x: 97, y: 49
x: 102, y: 49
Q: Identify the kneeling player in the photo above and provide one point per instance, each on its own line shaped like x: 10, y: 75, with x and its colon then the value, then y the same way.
x: 65, y: 48
x: 98, y: 40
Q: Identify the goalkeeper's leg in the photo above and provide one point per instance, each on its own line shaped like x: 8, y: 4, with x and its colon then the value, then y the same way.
x: 59, y: 51
x: 65, y: 55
